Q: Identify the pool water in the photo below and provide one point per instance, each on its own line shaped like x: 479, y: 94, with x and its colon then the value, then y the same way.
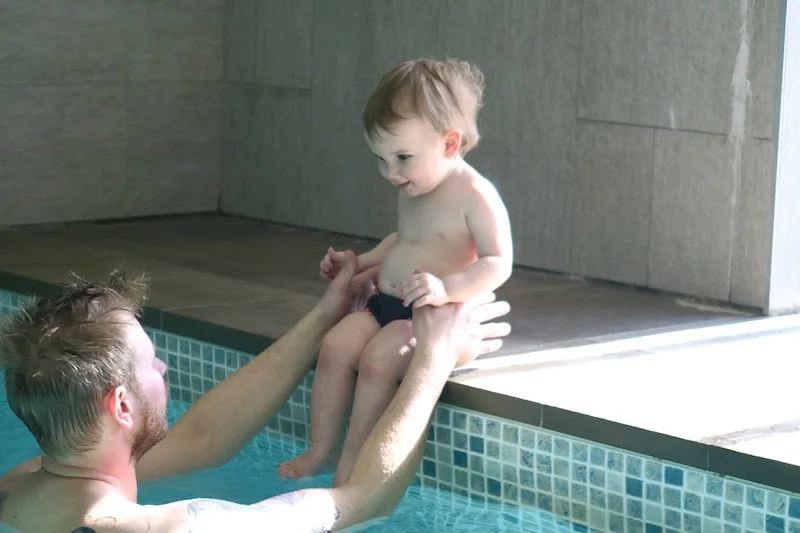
x: 251, y: 476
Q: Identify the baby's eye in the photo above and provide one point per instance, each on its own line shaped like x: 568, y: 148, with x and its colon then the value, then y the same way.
x: 403, y: 157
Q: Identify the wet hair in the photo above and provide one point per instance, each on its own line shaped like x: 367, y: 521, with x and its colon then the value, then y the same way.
x: 61, y: 355
x: 445, y: 94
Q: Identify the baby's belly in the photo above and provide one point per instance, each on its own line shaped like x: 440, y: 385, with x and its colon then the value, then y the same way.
x: 401, y: 261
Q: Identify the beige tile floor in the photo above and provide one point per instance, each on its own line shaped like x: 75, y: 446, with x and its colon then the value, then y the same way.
x: 656, y: 361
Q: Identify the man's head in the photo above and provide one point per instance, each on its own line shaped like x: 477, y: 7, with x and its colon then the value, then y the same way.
x: 81, y: 373
x: 422, y: 115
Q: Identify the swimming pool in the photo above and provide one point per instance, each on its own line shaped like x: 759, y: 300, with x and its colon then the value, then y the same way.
x: 252, y: 476
x: 503, y: 474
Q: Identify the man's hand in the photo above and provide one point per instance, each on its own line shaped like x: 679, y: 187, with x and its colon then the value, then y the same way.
x: 331, y: 264
x: 460, y: 329
x: 348, y: 292
x: 423, y: 289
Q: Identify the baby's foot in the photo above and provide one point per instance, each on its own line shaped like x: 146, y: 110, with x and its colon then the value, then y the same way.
x: 313, y: 462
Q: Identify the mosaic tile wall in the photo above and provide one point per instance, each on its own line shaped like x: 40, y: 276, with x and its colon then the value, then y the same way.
x: 595, y: 487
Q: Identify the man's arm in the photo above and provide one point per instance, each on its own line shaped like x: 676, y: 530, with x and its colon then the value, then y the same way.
x: 390, y: 456
x: 302, y: 511
x: 226, y: 418
x: 489, y: 224
x: 382, y: 472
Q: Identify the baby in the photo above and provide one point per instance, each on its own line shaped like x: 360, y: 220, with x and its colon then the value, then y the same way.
x: 453, y: 242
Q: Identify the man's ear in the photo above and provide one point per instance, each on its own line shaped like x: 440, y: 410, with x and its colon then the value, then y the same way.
x: 452, y: 142
x: 119, y: 406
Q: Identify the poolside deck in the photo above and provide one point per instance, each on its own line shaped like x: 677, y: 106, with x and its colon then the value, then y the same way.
x: 644, y: 371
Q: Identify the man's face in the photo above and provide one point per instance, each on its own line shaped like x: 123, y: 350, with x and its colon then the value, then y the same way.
x: 151, y: 400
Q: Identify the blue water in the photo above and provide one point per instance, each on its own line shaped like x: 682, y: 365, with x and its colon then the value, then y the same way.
x: 252, y: 476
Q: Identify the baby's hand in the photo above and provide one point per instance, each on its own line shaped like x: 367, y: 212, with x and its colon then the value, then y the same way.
x: 331, y: 264
x: 423, y: 289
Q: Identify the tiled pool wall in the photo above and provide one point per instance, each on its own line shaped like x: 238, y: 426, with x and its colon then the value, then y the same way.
x: 594, y: 486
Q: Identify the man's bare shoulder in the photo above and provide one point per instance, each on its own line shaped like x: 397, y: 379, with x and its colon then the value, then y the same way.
x: 71, y: 510
x: 13, y: 478
x: 31, y: 465
x: 302, y: 511
x: 123, y: 516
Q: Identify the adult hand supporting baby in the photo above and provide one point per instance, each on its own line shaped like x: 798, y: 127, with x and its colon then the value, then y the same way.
x: 463, y: 331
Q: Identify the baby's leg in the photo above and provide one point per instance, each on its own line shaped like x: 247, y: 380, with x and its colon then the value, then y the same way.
x: 383, y: 364
x: 332, y: 394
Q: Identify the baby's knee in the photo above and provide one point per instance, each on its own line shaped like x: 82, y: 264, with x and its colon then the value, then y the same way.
x: 379, y: 364
x: 337, y: 350
x: 388, y: 353
x: 373, y: 366
x: 330, y: 350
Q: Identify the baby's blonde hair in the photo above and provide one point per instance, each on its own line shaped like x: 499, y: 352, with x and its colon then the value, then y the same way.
x: 445, y: 94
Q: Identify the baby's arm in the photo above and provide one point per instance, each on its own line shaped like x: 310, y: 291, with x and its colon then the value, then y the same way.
x: 375, y: 256
x: 488, y: 221
x: 368, y: 261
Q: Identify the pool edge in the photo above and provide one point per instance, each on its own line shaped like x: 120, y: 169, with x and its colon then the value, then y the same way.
x: 714, y: 459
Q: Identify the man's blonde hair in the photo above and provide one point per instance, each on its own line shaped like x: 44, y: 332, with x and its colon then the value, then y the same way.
x: 62, y: 355
x: 445, y: 94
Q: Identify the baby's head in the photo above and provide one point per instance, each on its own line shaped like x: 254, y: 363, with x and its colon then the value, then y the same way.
x: 423, y: 116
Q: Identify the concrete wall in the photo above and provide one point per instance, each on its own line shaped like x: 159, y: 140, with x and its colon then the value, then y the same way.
x: 631, y: 139
x: 108, y: 108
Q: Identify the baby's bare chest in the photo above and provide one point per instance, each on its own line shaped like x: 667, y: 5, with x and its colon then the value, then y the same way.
x: 431, y: 222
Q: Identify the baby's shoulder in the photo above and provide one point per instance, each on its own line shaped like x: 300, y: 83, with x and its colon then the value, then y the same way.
x: 472, y: 178
x: 473, y: 185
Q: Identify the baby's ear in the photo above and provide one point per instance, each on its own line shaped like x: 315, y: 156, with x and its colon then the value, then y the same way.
x: 452, y: 142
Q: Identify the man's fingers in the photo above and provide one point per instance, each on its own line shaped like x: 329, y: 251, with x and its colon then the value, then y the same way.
x: 490, y: 346
x: 494, y: 330
x: 489, y: 311
x: 482, y: 299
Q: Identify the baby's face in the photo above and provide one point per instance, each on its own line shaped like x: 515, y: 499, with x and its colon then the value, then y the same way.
x: 414, y: 156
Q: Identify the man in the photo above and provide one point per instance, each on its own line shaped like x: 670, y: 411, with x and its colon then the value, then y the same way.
x: 82, y: 375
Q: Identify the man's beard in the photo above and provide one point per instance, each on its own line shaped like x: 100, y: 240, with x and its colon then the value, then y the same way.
x: 152, y: 429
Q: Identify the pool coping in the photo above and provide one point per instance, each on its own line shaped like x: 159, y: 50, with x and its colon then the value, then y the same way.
x: 710, y: 458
